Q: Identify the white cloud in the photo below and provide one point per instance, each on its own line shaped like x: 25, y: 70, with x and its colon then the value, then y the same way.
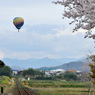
x: 44, y: 34
x: 64, y: 32
x: 33, y: 13
x: 33, y: 54
x: 54, y: 42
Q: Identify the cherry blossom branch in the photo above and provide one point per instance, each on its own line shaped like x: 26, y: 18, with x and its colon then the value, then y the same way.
x: 82, y: 12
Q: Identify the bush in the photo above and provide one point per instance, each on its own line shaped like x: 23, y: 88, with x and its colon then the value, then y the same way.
x: 44, y: 78
x: 70, y: 76
x: 6, y: 71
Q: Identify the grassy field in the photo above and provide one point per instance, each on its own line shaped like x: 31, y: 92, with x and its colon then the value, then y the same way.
x: 60, y: 87
x: 52, y: 87
x: 4, y: 82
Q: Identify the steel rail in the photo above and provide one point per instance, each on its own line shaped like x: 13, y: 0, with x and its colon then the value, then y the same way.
x: 21, y: 88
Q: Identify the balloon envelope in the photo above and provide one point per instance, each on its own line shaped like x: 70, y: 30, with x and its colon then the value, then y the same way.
x: 18, y: 22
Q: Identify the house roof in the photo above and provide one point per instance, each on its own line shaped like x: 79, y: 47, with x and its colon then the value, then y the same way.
x: 15, y: 70
x: 72, y: 70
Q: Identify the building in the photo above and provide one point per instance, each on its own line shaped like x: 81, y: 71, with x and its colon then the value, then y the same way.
x: 15, y: 72
x: 54, y: 72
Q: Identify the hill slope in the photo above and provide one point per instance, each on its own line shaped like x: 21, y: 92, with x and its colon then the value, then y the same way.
x: 46, y: 64
x: 76, y: 65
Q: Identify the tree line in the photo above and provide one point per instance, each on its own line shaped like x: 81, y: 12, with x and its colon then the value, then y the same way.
x: 6, y: 71
x: 40, y: 75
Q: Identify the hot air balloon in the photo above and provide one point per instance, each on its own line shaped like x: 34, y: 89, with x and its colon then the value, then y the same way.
x: 18, y: 22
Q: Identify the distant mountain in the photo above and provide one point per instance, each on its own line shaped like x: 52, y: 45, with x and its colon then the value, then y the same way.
x: 76, y: 65
x: 36, y: 63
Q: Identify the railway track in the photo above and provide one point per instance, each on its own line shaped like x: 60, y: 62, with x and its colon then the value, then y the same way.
x: 21, y: 90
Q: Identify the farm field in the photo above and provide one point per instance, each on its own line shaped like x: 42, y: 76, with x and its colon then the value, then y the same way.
x: 60, y: 87
x: 52, y: 87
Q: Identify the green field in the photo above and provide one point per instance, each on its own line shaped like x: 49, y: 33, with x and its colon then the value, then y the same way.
x: 4, y: 82
x: 52, y: 87
x: 60, y: 87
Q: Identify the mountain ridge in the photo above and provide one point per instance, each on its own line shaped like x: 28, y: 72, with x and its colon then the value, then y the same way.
x: 45, y: 63
x: 75, y: 65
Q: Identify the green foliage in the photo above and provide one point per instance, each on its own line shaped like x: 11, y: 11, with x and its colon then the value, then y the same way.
x: 44, y: 78
x: 63, y: 91
x: 32, y: 72
x: 70, y: 76
x: 56, y: 83
x: 4, y: 79
x: 56, y: 77
x: 59, y: 87
x: 92, y: 66
x: 38, y: 72
x: 6, y: 70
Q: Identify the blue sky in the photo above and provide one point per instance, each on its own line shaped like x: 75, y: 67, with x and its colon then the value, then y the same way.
x: 44, y: 34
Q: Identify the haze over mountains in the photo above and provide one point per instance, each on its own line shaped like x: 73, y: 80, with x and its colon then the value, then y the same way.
x: 45, y: 63
x: 76, y: 65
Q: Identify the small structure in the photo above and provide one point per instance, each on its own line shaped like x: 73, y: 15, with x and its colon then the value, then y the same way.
x: 71, y: 70
x: 54, y: 72
x: 15, y: 72
x: 28, y: 78
x: 20, y: 72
